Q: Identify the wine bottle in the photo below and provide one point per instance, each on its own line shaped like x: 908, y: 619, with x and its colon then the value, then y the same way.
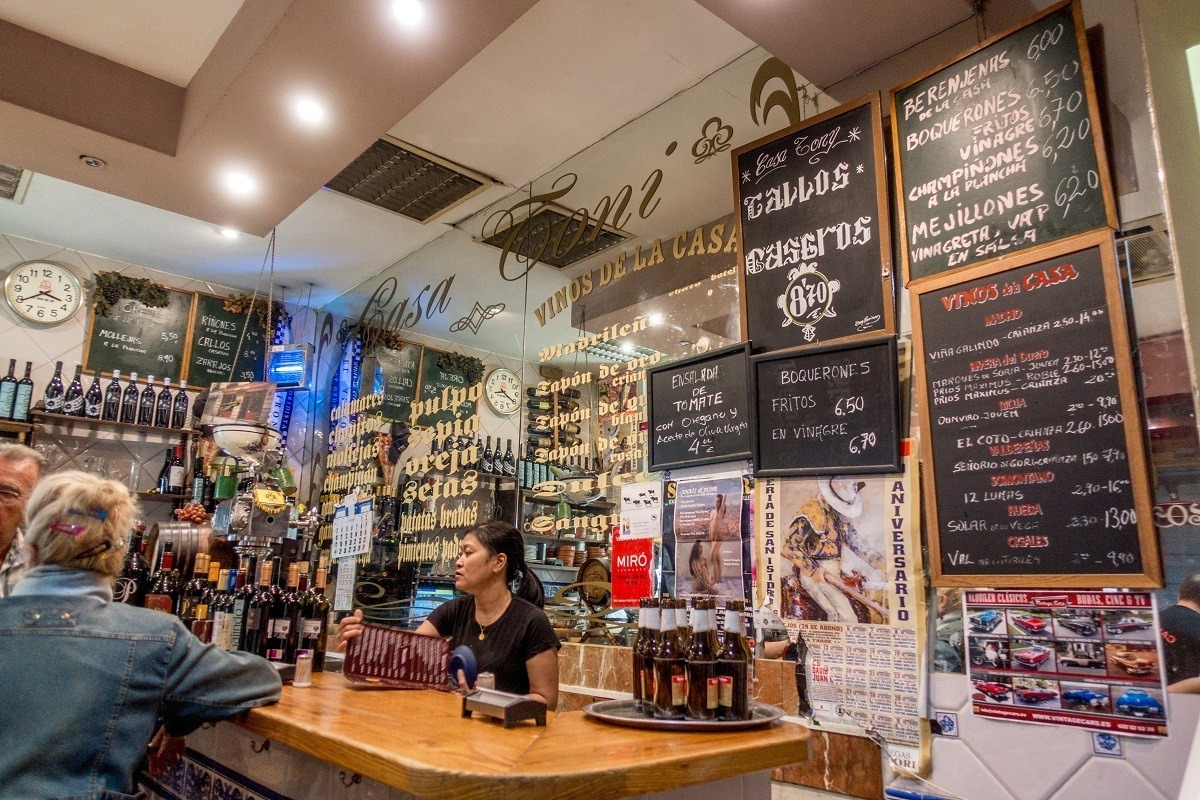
x: 179, y: 408
x: 478, y: 465
x: 165, y: 585
x: 212, y: 586
x: 487, y: 464
x: 670, y: 668
x: 222, y: 607
x: 193, y: 590
x: 52, y: 400
x: 177, y: 473
x: 93, y: 399
x: 129, y: 400
x: 314, y: 616
x: 24, y: 396
x: 258, y: 613
x: 200, y: 482
x: 162, y: 406
x: 73, y: 400
x: 639, y: 657
x: 539, y: 404
x: 112, y: 399
x: 244, y: 590
x: 135, y: 575
x: 146, y: 403
x: 8, y: 391
x: 509, y: 463
x: 281, y: 629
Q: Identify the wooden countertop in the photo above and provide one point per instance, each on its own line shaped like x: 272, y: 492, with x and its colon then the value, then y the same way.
x: 418, y: 741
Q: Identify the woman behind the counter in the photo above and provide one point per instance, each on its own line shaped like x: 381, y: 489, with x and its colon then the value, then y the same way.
x: 509, y: 633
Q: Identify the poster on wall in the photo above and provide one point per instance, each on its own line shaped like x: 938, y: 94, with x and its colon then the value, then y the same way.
x: 708, y: 535
x: 642, y: 510
x: 1075, y: 659
x: 632, y: 568
x: 839, y: 562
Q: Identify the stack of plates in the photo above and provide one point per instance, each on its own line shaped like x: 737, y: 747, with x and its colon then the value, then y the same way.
x: 531, y: 552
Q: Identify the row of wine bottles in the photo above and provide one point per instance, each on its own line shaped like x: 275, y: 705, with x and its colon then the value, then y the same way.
x: 162, y: 408
x: 16, y: 395
x: 685, y: 672
x: 271, y: 618
x: 490, y: 461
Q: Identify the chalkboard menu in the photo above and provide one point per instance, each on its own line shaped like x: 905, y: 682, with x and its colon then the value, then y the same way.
x: 813, y: 230
x: 215, y: 336
x: 1001, y: 150
x: 1035, y: 467
x: 434, y: 381
x: 827, y: 410
x: 398, y: 371
x: 137, y: 338
x: 700, y: 410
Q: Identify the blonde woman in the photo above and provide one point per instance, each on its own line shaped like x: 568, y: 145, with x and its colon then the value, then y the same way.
x: 87, y: 680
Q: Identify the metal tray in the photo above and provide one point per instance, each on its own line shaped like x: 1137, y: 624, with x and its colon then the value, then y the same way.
x: 622, y: 712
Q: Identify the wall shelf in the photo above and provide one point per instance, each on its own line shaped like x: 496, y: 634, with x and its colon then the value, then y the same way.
x: 43, y: 418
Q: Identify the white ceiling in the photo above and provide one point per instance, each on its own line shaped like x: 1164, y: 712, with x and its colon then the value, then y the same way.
x: 168, y: 40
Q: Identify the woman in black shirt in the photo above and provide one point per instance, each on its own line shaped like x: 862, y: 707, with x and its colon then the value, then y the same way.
x: 509, y: 633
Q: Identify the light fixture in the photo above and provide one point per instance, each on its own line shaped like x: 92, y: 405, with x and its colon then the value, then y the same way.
x: 408, y: 13
x: 656, y: 319
x: 230, y: 233
x: 310, y: 111
x: 239, y: 183
x: 92, y: 161
x: 626, y: 347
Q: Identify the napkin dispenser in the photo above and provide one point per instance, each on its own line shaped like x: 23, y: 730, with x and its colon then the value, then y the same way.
x: 504, y: 706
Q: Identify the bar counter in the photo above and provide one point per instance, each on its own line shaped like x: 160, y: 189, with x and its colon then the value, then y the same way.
x: 418, y: 742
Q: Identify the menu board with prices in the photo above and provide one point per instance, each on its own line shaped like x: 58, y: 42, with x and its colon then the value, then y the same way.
x: 138, y: 338
x: 434, y: 382
x: 700, y: 410
x: 827, y: 410
x: 813, y: 230
x: 395, y: 376
x: 1036, y: 469
x: 1001, y: 150
x: 215, y: 340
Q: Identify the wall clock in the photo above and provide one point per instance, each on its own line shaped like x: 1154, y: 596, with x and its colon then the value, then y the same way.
x: 503, y: 391
x: 43, y: 292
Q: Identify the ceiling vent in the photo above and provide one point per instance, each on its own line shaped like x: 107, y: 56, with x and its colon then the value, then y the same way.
x: 408, y: 181
x: 550, y: 224
x: 13, y: 183
x: 1147, y: 255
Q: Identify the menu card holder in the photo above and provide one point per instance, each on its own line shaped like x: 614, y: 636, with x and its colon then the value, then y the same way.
x: 397, y: 659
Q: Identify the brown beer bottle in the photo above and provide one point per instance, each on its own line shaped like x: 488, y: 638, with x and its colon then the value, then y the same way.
x: 733, y: 666
x: 649, y: 653
x: 670, y: 668
x: 703, y: 685
x: 639, y: 655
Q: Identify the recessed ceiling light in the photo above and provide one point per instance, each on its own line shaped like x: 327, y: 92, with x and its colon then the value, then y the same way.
x: 92, y: 161
x: 230, y: 233
x: 310, y: 111
x: 626, y: 347
x: 239, y: 183
x: 408, y: 12
x: 656, y: 319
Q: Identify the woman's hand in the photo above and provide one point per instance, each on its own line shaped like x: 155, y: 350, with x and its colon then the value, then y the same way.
x: 165, y: 751
x: 349, y: 628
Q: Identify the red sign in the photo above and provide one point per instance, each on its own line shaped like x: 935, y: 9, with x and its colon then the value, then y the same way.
x: 632, y: 568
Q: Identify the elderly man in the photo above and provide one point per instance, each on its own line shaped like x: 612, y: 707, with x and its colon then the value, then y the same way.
x: 20, y: 470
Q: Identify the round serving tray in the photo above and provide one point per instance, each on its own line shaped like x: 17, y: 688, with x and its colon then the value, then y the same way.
x: 622, y: 712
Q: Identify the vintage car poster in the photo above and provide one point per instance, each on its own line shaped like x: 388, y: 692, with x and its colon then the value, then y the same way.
x: 708, y: 536
x: 839, y: 562
x: 1078, y: 659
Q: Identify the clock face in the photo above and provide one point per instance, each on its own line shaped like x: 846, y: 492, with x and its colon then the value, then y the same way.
x: 503, y: 391
x: 42, y: 292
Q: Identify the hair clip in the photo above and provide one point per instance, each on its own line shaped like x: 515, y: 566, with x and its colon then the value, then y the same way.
x: 103, y: 547
x: 68, y: 529
x: 99, y: 514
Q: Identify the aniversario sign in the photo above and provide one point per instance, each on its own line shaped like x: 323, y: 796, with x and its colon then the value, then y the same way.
x: 813, y: 230
x: 1000, y: 150
x: 1035, y: 469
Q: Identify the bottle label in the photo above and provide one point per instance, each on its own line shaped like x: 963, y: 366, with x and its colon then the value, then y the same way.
x: 21, y: 406
x: 275, y: 655
x: 253, y: 617
x: 160, y: 602
x: 280, y: 628
x: 8, y: 395
x: 91, y: 409
x: 176, y: 476
x: 202, y: 611
x: 679, y: 687
x: 221, y: 629
x: 713, y: 698
x: 125, y: 590
x: 310, y: 628
x: 73, y: 407
x: 725, y: 691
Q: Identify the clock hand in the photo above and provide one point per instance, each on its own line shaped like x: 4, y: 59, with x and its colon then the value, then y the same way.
x: 52, y: 297
x: 509, y: 396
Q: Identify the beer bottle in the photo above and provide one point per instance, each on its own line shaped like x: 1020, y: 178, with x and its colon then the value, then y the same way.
x: 703, y: 686
x: 670, y: 668
x: 649, y: 652
x: 733, y: 666
x: 639, y: 656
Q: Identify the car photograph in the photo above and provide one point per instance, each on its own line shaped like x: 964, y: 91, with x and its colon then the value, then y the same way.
x: 1031, y: 657
x: 1076, y: 623
x: 1132, y: 663
x: 1126, y: 625
x: 1034, y: 696
x: 1084, y: 698
x: 986, y: 621
x: 1080, y: 662
x: 1139, y: 703
x: 1031, y: 624
x: 995, y: 691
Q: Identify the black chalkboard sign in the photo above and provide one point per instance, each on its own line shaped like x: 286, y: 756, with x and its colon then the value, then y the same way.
x: 813, y: 231
x: 434, y: 381
x: 137, y: 338
x: 700, y: 409
x: 396, y: 372
x: 827, y: 410
x: 215, y: 336
x: 1001, y: 149
x: 1035, y: 468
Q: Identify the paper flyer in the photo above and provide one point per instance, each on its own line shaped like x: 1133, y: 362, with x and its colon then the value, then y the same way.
x: 641, y: 510
x: 708, y: 536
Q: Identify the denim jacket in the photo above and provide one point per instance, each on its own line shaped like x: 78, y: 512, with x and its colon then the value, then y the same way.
x: 86, y: 680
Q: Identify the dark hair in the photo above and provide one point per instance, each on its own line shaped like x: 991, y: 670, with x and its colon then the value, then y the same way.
x: 499, y: 537
x: 696, y: 555
x: 1190, y: 589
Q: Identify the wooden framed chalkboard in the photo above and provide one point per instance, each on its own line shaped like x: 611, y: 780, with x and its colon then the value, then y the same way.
x: 1000, y: 150
x: 137, y: 338
x: 1035, y: 466
x: 399, y: 370
x: 832, y: 410
x: 434, y: 380
x: 214, y: 341
x: 813, y: 232
x: 700, y: 409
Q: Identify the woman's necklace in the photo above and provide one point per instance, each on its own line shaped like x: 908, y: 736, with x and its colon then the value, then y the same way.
x: 482, y: 630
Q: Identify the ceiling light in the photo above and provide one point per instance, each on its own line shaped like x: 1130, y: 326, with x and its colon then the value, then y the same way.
x: 92, y: 161
x: 310, y: 111
x: 656, y: 319
x: 408, y: 12
x: 626, y: 347
x: 230, y: 233
x: 241, y: 184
